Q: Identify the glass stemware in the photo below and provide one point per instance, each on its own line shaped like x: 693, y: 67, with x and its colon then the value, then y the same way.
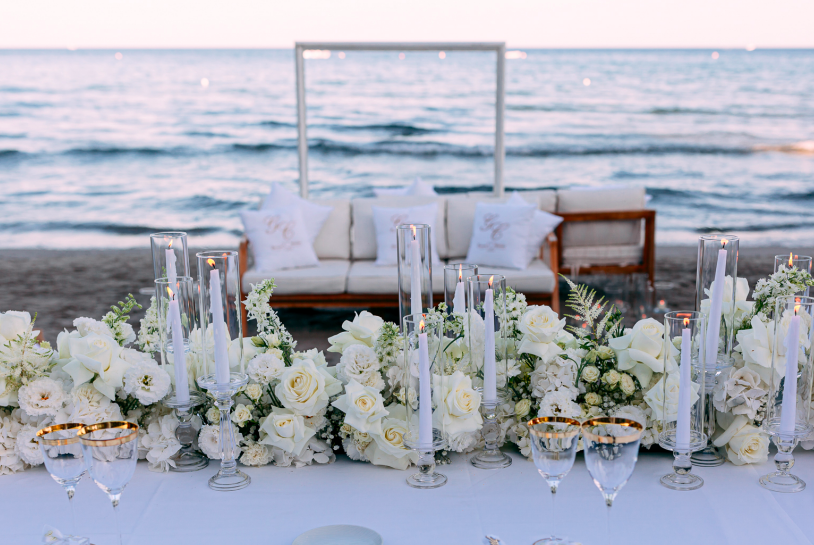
x: 554, y: 442
x: 611, y: 450
x: 62, y: 455
x: 111, y: 451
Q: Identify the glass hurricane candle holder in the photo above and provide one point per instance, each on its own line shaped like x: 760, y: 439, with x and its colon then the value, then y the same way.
x: 683, y: 425
x: 181, y: 291
x: 414, y: 252
x: 799, y: 262
x: 789, y: 406
x: 219, y: 312
x: 455, y: 275
x: 423, y: 390
x: 170, y: 254
x: 717, y: 258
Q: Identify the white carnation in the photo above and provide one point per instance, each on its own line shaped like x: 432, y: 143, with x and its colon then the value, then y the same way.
x: 265, y: 367
x: 255, y: 454
x: 359, y: 363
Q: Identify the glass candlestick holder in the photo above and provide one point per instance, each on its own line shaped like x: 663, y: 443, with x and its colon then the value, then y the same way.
x: 414, y: 254
x: 789, y: 407
x: 455, y: 275
x: 794, y: 261
x: 424, y: 383
x: 170, y: 254
x: 490, y: 457
x: 187, y: 459
x: 228, y: 478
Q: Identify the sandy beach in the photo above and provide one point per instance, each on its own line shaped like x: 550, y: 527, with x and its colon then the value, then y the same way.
x: 60, y: 285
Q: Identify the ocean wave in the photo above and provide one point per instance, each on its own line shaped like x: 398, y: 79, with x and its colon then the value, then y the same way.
x: 110, y: 228
x: 111, y: 151
x: 753, y: 228
x: 272, y: 123
x: 397, y: 129
x: 199, y: 202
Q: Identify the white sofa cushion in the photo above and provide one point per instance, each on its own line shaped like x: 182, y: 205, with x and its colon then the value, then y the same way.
x: 333, y: 241
x: 363, y: 232
x: 418, y: 187
x: 329, y: 277
x: 536, y: 278
x: 366, y: 277
x: 601, y: 233
x: 387, y: 221
x: 586, y: 256
x: 542, y: 224
x: 279, y: 238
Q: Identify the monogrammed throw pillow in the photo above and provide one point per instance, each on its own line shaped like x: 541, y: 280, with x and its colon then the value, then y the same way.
x: 500, y: 235
x: 279, y: 239
x: 316, y: 214
x: 542, y: 224
x: 387, y: 220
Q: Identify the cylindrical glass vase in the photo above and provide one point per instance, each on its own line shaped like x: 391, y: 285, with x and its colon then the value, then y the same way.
x: 423, y: 381
x: 221, y: 330
x: 414, y: 269
x: 170, y: 255
x: 455, y: 275
x: 799, y: 262
x: 487, y: 334
x: 717, y: 258
x: 183, y: 293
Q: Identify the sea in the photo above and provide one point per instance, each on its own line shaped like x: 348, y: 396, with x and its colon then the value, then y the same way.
x: 100, y: 148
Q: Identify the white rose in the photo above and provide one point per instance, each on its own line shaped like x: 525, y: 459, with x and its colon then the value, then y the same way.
x: 522, y: 408
x: 741, y: 392
x: 756, y: 344
x: 359, y: 363
x: 592, y: 398
x: 96, y: 355
x: 363, y: 407
x: 641, y: 350
x: 242, y: 414
x: 590, y: 373
x: 457, y: 403
x: 627, y: 385
x: 64, y: 345
x: 286, y: 431
x: 313, y: 354
x: 305, y: 388
x: 387, y: 448
x: 265, y: 368
x: 43, y: 397
x: 540, y: 326
x: 745, y: 444
x: 14, y: 324
x: 741, y: 305
x: 254, y: 391
x: 665, y: 403
x: 87, y: 326
x: 364, y: 330
x: 213, y: 415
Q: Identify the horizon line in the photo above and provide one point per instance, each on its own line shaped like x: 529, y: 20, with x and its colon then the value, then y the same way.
x: 508, y: 47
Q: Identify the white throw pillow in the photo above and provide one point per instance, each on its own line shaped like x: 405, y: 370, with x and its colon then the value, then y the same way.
x: 314, y: 215
x: 418, y: 187
x: 386, y: 222
x: 542, y: 224
x: 500, y: 235
x: 279, y: 239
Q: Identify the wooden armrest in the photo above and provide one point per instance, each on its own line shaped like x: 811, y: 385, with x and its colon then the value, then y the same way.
x: 644, y: 214
x: 243, y: 256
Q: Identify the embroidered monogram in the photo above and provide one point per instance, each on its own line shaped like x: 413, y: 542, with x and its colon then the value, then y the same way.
x: 284, y: 230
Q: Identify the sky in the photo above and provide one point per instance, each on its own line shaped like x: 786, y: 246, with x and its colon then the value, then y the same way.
x: 520, y: 23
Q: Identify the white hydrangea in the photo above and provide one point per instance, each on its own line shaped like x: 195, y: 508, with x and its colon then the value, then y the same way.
x: 160, y: 444
x: 27, y: 446
x: 147, y: 382
x: 10, y: 460
x: 559, y: 403
x: 44, y: 396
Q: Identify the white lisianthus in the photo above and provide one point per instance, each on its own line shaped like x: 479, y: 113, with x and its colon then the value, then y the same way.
x: 745, y: 444
x: 254, y: 391
x: 285, y: 430
x: 641, y: 350
x: 43, y: 397
x: 664, y: 401
x: 305, y: 388
x: 159, y: 443
x: 364, y: 330
x: 363, y: 407
x: 242, y: 414
x: 255, y: 454
x: 147, y: 382
x: 88, y: 326
x: 387, y: 448
x: 457, y: 402
x: 559, y: 403
x: 27, y: 446
x: 265, y: 368
x: 209, y: 441
x: 359, y: 363
x: 97, y: 356
x: 540, y: 326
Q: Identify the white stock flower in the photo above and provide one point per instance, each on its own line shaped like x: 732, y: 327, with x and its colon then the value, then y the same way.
x: 387, y: 448
x: 745, y: 444
x: 359, y: 363
x: 159, y: 443
x: 740, y: 393
x: 44, y: 396
x: 285, y: 430
x: 640, y: 350
x: 364, y: 330
x: 265, y: 368
x: 665, y: 403
x: 559, y: 403
x: 147, y: 381
x: 540, y: 326
x: 457, y: 403
x: 209, y: 441
x: 305, y: 388
x: 27, y: 446
x: 96, y: 355
x: 255, y: 454
x: 242, y: 414
x: 88, y: 326
x: 363, y: 407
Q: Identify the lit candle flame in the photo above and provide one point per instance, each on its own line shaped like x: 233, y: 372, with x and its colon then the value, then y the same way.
x: 170, y: 244
x: 491, y: 278
x: 460, y: 272
x: 169, y: 291
x: 791, y: 260
x: 796, y: 309
x: 421, y: 326
x: 723, y: 242
x: 686, y: 322
x: 211, y: 262
x: 413, y: 228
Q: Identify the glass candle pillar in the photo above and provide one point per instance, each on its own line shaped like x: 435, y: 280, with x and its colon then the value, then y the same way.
x: 170, y: 255
x: 799, y: 262
x: 414, y: 254
x: 488, y: 340
x: 789, y: 406
x: 683, y: 424
x: 175, y: 301
x: 455, y: 275
x: 424, y: 380
x: 219, y: 313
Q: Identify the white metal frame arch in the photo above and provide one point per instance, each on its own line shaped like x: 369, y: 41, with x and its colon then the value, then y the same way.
x: 500, y: 95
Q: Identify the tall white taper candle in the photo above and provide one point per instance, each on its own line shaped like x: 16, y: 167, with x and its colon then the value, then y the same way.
x: 489, y: 371
x: 788, y: 416
x: 716, y: 301
x: 179, y: 357
x: 415, y: 276
x: 684, y: 393
x: 424, y: 390
x: 218, y: 329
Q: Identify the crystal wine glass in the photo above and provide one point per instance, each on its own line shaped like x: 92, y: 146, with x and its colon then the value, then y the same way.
x: 611, y: 449
x: 554, y: 442
x: 111, y: 453
x: 62, y: 454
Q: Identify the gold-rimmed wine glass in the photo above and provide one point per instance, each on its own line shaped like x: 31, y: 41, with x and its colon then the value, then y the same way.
x: 611, y: 448
x: 554, y: 441
x: 111, y: 452
x: 63, y: 459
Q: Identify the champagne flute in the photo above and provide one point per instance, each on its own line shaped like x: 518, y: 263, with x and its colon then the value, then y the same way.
x: 611, y: 449
x: 62, y: 455
x: 554, y: 442
x: 111, y: 453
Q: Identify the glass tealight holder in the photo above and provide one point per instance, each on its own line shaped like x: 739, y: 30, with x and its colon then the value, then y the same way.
x: 182, y: 291
x: 683, y: 358
x: 424, y: 380
x: 789, y: 406
x: 799, y: 262
x: 170, y: 254
x: 719, y: 251
x: 414, y: 252
x: 219, y: 311
x: 455, y: 275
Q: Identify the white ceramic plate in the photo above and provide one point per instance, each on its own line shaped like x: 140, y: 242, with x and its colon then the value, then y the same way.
x: 339, y: 534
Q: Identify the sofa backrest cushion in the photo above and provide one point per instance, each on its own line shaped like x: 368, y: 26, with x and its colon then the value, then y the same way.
x: 363, y: 231
x: 333, y: 241
x: 601, y: 233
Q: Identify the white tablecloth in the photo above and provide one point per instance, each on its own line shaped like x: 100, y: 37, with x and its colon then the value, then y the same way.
x: 514, y: 504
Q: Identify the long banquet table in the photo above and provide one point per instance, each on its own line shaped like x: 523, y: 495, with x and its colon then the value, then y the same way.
x: 514, y: 504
